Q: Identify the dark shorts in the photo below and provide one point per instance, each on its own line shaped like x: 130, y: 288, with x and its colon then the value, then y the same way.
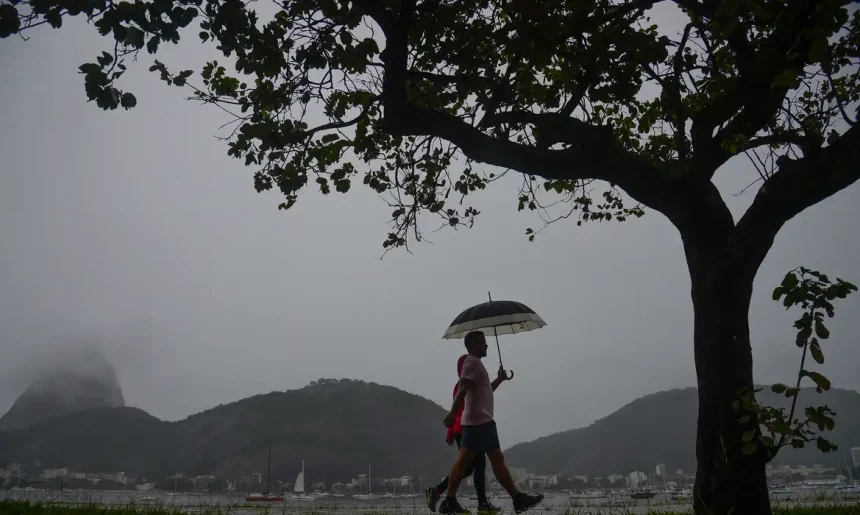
x: 483, y: 438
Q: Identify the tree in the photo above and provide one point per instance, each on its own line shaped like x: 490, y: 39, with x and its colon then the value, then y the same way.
x: 586, y: 100
x: 814, y: 293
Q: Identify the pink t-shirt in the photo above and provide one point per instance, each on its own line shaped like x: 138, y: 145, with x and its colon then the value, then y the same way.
x: 479, y: 401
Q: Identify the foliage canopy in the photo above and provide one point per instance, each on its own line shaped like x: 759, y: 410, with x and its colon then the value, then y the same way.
x: 565, y: 92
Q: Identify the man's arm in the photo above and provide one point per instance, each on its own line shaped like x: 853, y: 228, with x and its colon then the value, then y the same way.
x: 501, y: 377
x: 465, y: 386
x: 497, y: 382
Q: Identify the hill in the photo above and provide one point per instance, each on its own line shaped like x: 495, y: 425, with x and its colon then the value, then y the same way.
x: 661, y: 428
x: 337, y: 427
x: 77, y: 378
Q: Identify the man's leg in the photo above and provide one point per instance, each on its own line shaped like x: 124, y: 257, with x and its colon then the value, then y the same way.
x: 432, y: 494
x: 522, y: 501
x: 458, y: 471
x: 479, y: 463
x: 502, y: 472
x: 442, y: 486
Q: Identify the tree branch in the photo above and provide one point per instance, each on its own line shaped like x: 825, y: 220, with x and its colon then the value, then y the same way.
x: 797, y: 185
x: 752, y: 101
x: 593, y: 153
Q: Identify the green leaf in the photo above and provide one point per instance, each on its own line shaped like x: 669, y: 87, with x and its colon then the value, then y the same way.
x: 789, y: 282
x: 778, y: 388
x: 777, y: 293
x: 748, y: 436
x: 105, y: 59
x: 128, y: 101
x: 815, y: 350
x: 822, y: 382
x: 821, y: 331
x: 90, y: 68
x: 803, y: 336
x: 824, y: 445
x: 134, y: 37
x: 152, y: 44
x: 54, y: 18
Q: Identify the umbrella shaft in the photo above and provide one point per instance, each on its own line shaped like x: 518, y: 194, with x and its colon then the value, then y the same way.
x: 498, y: 348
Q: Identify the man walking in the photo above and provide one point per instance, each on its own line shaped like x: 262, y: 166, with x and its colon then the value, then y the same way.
x: 479, y: 429
x: 476, y: 466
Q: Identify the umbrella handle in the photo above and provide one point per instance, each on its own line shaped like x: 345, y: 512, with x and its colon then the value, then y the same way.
x: 511, y: 376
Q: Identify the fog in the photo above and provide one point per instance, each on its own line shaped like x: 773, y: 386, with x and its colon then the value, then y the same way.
x: 134, y: 231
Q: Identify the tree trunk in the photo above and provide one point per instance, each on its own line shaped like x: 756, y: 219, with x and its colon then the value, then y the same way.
x: 726, y: 480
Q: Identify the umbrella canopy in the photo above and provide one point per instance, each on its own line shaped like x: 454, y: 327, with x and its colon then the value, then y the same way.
x: 495, y: 317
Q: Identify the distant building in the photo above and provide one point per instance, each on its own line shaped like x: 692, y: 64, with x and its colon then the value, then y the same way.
x: 661, y: 470
x: 614, y: 478
x: 855, y: 456
x: 519, y: 474
x: 361, y: 482
x: 257, y: 478
x: 54, y: 473
x: 635, y: 478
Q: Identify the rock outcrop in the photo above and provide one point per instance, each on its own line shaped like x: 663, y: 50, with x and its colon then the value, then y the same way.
x: 78, y: 379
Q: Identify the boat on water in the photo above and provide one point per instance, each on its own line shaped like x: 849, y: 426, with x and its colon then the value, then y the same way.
x: 643, y: 494
x: 849, y: 489
x: 588, y: 494
x: 782, y: 490
x: 299, y: 489
x: 682, y: 495
x: 266, y: 496
x: 369, y: 496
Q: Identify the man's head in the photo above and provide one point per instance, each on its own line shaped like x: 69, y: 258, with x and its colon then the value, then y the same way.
x: 476, y: 344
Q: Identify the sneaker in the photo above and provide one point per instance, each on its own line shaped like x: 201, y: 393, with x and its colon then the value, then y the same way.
x: 487, y: 507
x: 432, y: 498
x: 523, y: 502
x: 450, y: 506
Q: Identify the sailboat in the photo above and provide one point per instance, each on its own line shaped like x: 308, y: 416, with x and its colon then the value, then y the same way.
x: 368, y: 496
x: 299, y: 489
x: 265, y: 496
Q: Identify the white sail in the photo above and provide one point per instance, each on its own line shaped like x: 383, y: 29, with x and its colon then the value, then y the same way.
x: 300, y: 481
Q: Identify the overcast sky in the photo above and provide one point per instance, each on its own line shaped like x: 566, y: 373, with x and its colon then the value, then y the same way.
x: 134, y: 230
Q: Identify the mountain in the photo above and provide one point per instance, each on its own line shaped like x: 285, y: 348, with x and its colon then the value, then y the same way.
x: 337, y: 427
x: 83, y: 379
x: 661, y: 428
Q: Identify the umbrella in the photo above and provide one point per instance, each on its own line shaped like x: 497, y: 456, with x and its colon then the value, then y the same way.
x: 494, y: 317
